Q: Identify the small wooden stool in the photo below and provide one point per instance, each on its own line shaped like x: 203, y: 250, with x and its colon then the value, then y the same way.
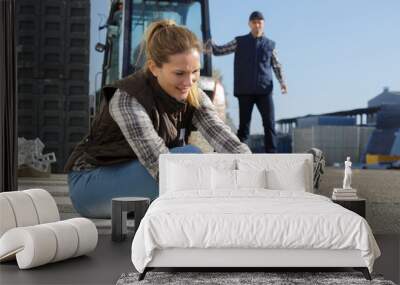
x: 121, y: 206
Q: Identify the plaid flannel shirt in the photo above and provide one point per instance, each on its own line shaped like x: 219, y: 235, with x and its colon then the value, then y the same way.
x: 138, y: 130
x: 230, y: 47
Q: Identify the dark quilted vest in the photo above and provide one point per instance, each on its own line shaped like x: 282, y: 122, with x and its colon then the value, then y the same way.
x: 252, y: 65
x: 105, y: 143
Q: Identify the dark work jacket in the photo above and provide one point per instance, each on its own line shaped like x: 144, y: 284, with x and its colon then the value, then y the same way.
x: 105, y: 143
x: 252, y: 65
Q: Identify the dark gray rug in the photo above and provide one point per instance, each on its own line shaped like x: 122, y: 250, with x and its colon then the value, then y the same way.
x: 269, y: 278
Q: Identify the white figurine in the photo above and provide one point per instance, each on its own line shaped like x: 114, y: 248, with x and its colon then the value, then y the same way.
x: 347, y: 174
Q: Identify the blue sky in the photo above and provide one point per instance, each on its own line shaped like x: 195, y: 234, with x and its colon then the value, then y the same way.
x: 336, y: 54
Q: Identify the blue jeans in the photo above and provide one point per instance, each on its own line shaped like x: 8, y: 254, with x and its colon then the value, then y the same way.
x: 91, y: 191
x: 265, y: 106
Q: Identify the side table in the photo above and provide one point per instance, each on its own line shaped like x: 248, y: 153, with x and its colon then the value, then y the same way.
x: 121, y: 206
x: 357, y: 205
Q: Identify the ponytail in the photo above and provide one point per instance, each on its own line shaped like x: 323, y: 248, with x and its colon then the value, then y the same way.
x: 165, y: 38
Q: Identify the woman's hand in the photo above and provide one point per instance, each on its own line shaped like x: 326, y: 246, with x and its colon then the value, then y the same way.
x: 284, y: 88
x: 207, y: 46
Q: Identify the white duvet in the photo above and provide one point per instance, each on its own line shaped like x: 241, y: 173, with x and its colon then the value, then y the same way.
x: 250, y: 219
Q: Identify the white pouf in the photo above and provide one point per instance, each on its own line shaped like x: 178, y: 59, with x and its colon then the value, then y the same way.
x: 31, y: 232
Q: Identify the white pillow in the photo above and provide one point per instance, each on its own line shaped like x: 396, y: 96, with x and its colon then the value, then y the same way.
x: 251, y: 178
x: 292, y: 179
x: 188, y: 177
x: 227, y: 179
x: 223, y: 179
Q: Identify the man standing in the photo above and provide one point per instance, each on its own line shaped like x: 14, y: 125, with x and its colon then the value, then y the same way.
x: 255, y: 58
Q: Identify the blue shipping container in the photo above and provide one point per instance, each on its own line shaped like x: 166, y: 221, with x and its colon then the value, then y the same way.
x: 325, y: 121
x: 381, y: 141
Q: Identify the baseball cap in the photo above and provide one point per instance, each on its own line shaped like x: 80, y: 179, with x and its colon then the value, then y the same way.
x: 256, y: 15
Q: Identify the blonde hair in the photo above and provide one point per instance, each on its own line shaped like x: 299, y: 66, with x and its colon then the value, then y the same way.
x: 165, y: 38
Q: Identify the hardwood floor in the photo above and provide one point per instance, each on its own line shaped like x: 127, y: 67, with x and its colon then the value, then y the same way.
x: 110, y: 260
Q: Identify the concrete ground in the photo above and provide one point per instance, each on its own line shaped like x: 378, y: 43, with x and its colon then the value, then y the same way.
x: 381, y: 189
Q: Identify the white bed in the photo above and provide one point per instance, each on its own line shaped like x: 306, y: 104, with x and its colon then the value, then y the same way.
x: 238, y: 210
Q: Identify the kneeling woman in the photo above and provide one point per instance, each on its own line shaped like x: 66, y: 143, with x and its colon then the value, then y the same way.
x: 142, y: 116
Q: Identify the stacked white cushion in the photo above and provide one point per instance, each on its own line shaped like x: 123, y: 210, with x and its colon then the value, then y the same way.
x: 7, y: 218
x: 31, y: 246
x: 31, y: 232
x: 87, y: 233
x: 27, y: 208
x: 45, y: 206
x: 66, y: 235
x: 52, y: 242
x: 23, y: 208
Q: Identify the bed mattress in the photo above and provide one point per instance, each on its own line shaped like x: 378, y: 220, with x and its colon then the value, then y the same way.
x: 250, y: 219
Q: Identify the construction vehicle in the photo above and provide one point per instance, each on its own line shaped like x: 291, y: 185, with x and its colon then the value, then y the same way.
x: 126, y: 25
